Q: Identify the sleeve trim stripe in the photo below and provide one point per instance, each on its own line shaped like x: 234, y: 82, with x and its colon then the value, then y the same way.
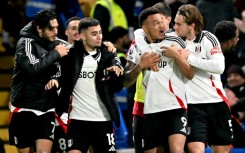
x: 176, y: 39
x: 28, y: 47
x: 212, y: 39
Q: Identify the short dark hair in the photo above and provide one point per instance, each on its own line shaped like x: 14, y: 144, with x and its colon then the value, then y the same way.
x: 225, y: 30
x: 116, y: 33
x: 43, y: 17
x: 72, y: 19
x: 87, y: 22
x: 163, y: 8
x: 145, y: 13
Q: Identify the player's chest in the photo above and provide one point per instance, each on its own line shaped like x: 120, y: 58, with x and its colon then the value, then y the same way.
x: 198, y: 50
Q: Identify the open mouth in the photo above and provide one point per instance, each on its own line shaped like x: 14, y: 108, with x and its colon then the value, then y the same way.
x: 77, y: 37
x: 162, y: 32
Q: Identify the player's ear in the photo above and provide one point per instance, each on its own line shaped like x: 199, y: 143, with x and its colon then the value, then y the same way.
x: 83, y: 36
x: 193, y: 26
x: 169, y: 19
x: 143, y: 27
x: 39, y: 30
x: 66, y: 33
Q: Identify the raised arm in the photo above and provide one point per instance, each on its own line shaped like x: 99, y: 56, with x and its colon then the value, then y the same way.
x: 27, y: 56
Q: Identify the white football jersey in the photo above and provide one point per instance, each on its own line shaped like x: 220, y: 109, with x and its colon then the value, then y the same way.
x: 86, y: 103
x: 164, y: 90
x: 208, y: 61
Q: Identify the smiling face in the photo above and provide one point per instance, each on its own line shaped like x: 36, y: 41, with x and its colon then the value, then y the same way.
x: 235, y: 80
x: 49, y: 33
x: 72, y: 31
x: 92, y: 37
x: 154, y: 27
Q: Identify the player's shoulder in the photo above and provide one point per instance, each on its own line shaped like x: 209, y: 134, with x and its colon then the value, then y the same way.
x: 170, y: 33
x: 207, y: 34
x: 171, y: 36
x: 133, y: 48
x: 208, y: 37
x: 133, y: 45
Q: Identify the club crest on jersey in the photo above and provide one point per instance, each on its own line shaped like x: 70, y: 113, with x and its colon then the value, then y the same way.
x: 216, y: 50
x: 130, y: 57
x: 130, y: 52
x: 198, y: 49
x: 70, y: 142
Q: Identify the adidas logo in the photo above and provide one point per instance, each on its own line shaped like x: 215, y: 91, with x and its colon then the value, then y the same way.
x: 112, y: 148
x: 52, y: 136
x: 183, y: 130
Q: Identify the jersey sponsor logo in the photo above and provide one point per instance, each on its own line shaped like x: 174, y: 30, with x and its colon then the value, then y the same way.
x: 215, y: 50
x: 162, y: 64
x: 85, y: 75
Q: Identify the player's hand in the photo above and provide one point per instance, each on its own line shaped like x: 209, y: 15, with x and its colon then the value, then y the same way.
x: 231, y: 96
x: 149, y: 59
x: 62, y: 49
x: 184, y: 53
x: 52, y: 83
x: 155, y: 68
x: 116, y: 69
x: 110, y: 46
x: 240, y: 115
x: 170, y: 51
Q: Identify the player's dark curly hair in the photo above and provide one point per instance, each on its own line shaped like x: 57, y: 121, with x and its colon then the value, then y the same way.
x: 225, y: 30
x: 145, y: 13
x: 43, y: 17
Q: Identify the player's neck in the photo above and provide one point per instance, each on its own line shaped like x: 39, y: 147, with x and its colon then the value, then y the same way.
x: 191, y: 36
